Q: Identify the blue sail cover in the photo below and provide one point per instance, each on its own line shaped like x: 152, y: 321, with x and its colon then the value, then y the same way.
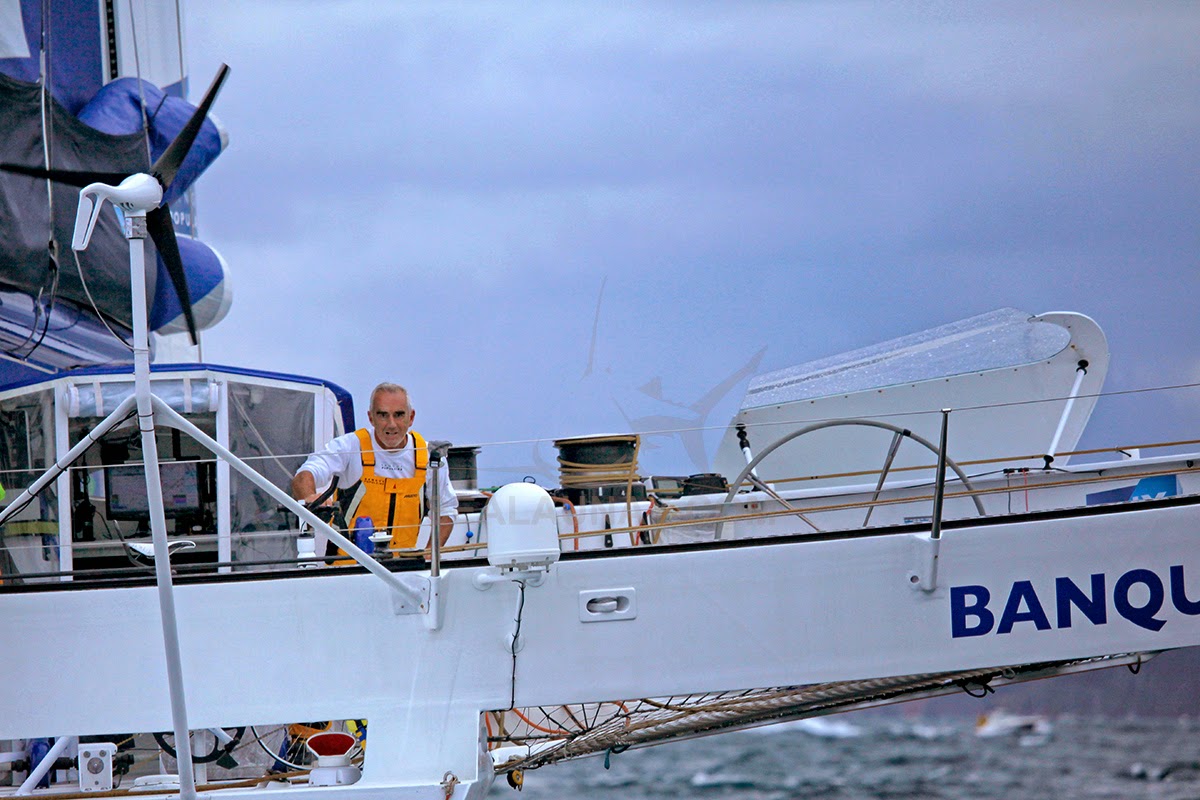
x: 117, y: 110
x: 210, y: 295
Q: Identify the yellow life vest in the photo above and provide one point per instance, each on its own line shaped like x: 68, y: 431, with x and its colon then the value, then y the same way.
x: 393, y: 504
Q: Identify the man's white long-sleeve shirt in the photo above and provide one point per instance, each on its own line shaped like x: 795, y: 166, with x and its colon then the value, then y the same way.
x: 343, y: 457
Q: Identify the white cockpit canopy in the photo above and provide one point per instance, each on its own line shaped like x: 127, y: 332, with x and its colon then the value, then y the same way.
x: 1007, y: 375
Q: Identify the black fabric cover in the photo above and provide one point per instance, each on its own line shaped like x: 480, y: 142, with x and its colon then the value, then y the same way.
x: 24, y: 207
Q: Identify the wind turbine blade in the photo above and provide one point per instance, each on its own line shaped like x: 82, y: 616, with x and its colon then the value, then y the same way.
x: 162, y: 231
x: 169, y: 162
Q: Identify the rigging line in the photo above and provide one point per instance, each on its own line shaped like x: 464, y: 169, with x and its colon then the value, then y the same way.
x: 50, y: 309
x: 44, y: 67
x: 86, y: 291
x: 137, y: 66
x: 556, y: 732
x: 896, y: 501
x: 1000, y: 460
x: 554, y: 718
x: 886, y: 502
x: 37, y: 313
x: 39, y: 310
x: 572, y: 717
x: 983, y: 407
x: 179, y: 37
x: 1093, y: 395
x: 980, y: 407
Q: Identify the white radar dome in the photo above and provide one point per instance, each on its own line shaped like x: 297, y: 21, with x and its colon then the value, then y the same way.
x: 520, y: 527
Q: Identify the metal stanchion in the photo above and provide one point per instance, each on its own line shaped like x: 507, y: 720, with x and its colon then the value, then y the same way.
x: 939, y: 490
x: 928, y: 578
x: 437, y: 455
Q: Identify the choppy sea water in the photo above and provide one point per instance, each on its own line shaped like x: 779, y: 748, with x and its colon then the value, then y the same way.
x: 895, y: 757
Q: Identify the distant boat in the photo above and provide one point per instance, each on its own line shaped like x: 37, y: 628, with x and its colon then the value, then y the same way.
x: 821, y: 727
x: 1003, y: 723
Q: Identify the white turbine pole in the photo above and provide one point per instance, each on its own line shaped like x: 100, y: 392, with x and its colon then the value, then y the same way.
x: 137, y: 195
x: 135, y: 232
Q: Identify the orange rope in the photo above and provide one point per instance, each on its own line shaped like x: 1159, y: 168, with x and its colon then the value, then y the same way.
x: 537, y: 727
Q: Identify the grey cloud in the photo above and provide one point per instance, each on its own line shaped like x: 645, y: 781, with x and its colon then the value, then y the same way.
x: 807, y: 177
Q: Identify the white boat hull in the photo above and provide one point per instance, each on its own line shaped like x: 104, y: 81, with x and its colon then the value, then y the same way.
x: 698, y: 618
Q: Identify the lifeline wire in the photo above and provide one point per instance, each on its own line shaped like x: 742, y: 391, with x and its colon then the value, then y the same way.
x: 983, y: 407
x: 972, y: 462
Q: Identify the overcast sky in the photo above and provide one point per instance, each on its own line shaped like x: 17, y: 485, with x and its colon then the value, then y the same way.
x: 444, y: 195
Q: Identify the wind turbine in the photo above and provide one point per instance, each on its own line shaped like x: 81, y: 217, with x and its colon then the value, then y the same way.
x: 140, y: 198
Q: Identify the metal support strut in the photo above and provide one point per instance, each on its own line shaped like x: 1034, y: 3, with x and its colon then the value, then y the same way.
x: 1080, y: 373
x: 929, y: 574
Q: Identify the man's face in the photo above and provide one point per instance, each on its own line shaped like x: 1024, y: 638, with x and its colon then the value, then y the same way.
x: 391, y: 417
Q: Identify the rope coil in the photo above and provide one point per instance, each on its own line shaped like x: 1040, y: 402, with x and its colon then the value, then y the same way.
x: 595, y: 473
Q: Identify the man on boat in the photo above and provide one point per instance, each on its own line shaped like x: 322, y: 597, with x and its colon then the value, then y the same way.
x: 391, y: 461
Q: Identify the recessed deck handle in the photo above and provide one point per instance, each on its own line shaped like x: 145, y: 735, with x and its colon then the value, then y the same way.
x: 603, y: 605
